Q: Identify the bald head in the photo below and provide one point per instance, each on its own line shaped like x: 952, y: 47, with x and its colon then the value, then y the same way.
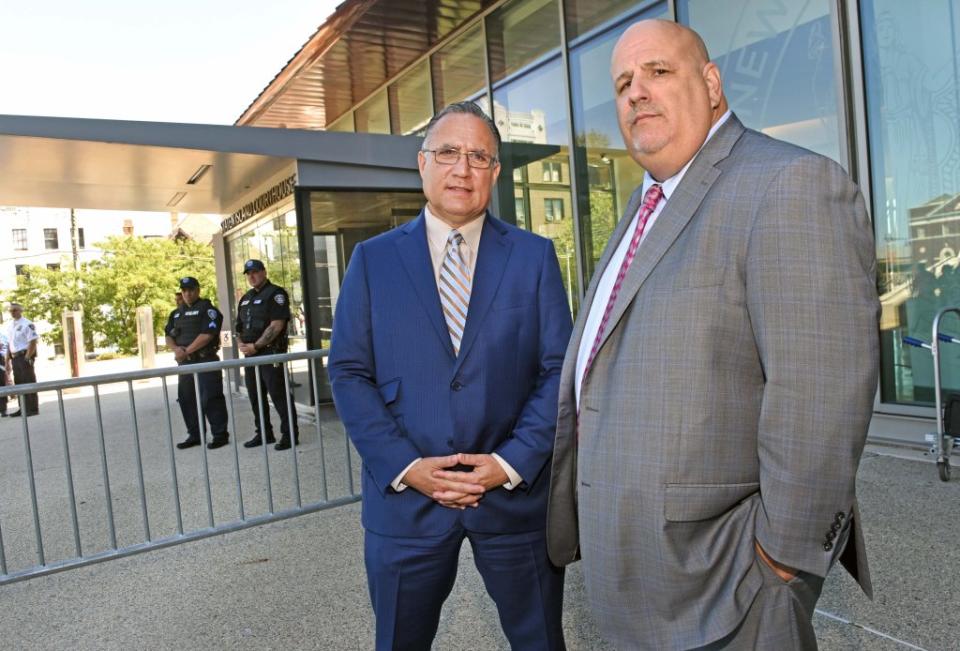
x: 668, y: 92
x: 687, y: 39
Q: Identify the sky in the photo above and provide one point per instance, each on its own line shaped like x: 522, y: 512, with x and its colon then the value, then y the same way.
x: 196, y: 61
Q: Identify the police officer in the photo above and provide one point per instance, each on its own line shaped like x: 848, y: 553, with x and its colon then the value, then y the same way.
x: 4, y: 349
x: 193, y: 333
x: 22, y: 336
x: 262, y: 317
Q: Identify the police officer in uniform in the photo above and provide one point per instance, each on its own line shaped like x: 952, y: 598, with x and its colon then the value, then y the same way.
x: 22, y: 353
x: 193, y: 333
x: 4, y: 349
x: 262, y: 317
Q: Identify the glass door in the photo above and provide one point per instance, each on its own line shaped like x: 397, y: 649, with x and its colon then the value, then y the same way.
x: 335, y: 221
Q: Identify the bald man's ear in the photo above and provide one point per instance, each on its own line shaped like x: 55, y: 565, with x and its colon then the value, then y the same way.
x: 711, y: 77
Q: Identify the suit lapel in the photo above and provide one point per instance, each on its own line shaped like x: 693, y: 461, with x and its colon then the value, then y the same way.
x: 492, y: 259
x: 415, y: 257
x: 570, y: 360
x: 675, y: 216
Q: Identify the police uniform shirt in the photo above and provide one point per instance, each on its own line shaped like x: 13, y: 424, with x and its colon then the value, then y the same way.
x: 277, y: 308
x: 209, y: 317
x: 21, y: 333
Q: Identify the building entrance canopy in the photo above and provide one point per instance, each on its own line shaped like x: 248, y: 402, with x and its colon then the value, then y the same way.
x: 154, y: 166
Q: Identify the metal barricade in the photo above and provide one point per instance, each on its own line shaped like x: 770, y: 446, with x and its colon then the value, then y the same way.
x: 86, y: 464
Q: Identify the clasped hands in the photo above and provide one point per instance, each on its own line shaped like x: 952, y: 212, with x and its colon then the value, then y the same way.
x: 456, y: 489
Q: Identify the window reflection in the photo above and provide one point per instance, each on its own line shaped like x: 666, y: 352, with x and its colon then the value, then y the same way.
x: 913, y: 117
x: 530, y: 113
x: 459, y: 69
x: 583, y: 15
x: 777, y: 63
x: 343, y: 123
x: 411, y: 99
x: 374, y: 115
x: 607, y: 174
x: 519, y: 33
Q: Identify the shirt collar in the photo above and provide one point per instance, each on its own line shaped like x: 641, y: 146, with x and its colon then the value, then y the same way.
x: 438, y: 231
x: 671, y: 184
x: 254, y: 290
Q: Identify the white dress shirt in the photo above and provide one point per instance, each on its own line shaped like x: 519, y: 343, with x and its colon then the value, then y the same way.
x: 609, y: 277
x: 437, y: 234
x: 20, y: 334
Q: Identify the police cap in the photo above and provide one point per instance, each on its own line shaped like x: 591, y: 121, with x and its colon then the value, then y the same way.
x: 189, y: 282
x: 253, y: 265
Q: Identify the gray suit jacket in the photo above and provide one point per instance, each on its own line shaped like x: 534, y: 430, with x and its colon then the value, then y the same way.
x: 729, y: 400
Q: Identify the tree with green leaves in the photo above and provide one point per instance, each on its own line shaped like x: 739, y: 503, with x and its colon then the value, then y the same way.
x: 46, y: 293
x: 132, y: 272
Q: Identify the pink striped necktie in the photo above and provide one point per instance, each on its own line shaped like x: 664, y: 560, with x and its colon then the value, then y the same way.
x: 650, y: 201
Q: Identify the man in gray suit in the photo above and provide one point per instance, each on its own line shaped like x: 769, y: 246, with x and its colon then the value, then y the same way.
x: 716, y: 393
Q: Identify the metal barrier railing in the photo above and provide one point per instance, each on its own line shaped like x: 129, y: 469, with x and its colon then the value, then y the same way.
x: 148, y: 475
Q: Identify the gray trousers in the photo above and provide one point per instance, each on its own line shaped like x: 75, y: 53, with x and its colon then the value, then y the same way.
x: 780, y: 618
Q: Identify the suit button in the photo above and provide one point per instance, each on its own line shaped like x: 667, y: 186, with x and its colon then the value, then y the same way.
x: 450, y: 443
x: 835, y: 527
x: 831, y: 535
x: 456, y: 386
x: 840, y: 515
x: 827, y: 546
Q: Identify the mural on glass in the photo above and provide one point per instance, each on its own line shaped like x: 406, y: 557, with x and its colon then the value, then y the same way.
x: 913, y: 118
x: 778, y: 65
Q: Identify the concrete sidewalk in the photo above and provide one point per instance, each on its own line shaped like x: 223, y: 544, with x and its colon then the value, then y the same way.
x: 299, y: 583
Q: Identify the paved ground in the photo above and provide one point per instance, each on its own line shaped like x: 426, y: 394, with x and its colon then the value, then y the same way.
x: 299, y: 583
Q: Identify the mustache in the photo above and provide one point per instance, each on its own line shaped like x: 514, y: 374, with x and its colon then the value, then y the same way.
x: 644, y: 108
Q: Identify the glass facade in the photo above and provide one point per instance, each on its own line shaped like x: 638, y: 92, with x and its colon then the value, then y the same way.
x: 460, y: 68
x: 581, y: 16
x: 519, y: 33
x: 343, y: 123
x: 607, y: 175
x: 790, y: 70
x: 778, y: 65
x: 530, y: 111
x: 272, y: 238
x: 374, y: 115
x: 913, y: 118
x: 411, y: 100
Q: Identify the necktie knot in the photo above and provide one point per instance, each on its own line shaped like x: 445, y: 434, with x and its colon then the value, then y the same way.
x: 652, y: 197
x: 454, y: 239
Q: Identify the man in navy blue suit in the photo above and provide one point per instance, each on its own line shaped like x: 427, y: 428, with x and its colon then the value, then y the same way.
x: 447, y: 346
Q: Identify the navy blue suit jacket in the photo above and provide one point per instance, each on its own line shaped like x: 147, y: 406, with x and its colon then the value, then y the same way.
x: 402, y: 394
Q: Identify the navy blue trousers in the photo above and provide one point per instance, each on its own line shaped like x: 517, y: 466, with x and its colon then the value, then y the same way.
x: 211, y: 400
x: 410, y: 578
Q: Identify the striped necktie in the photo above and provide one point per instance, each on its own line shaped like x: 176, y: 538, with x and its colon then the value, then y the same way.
x: 650, y: 201
x: 455, y: 284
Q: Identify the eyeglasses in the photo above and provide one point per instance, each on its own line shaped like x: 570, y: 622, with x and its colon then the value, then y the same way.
x: 450, y: 156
